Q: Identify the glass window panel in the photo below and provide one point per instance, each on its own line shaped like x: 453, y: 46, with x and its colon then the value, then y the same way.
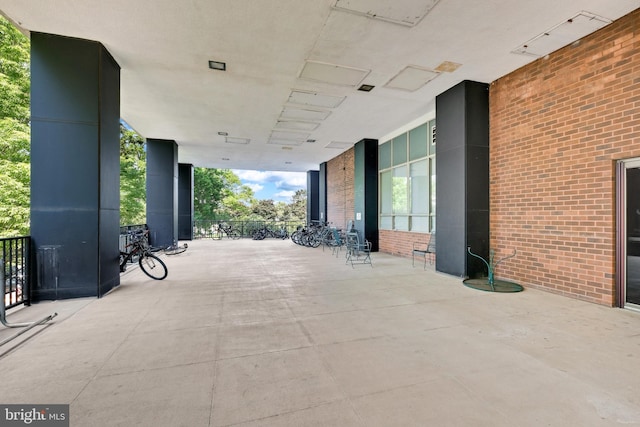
x: 418, y: 144
x: 401, y: 223
x: 432, y: 188
x: 420, y: 187
x: 386, y: 193
x: 400, y: 190
x: 384, y: 156
x: 400, y: 149
x: 386, y: 223
x: 420, y: 223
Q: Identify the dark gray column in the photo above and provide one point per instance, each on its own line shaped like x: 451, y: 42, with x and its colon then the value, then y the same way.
x: 185, y: 201
x: 162, y: 191
x: 366, y: 190
x: 313, y: 196
x: 75, y: 167
x: 322, y: 192
x: 462, y: 180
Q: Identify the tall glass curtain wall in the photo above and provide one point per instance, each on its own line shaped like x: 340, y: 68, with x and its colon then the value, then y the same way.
x: 408, y: 180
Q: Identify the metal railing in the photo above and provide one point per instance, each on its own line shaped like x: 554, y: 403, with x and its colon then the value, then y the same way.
x: 15, y: 264
x: 205, y: 228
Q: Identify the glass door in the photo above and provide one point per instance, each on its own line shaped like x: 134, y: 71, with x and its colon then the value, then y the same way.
x: 630, y: 233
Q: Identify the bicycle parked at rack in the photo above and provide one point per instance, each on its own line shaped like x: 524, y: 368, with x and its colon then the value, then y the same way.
x: 139, y: 248
x: 264, y: 232
x: 311, y: 235
x: 222, y: 228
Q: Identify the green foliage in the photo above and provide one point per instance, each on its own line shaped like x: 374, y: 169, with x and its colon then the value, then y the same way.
x: 218, y: 194
x: 14, y: 73
x: 265, y: 209
x: 297, y: 209
x: 14, y: 131
x: 132, y: 178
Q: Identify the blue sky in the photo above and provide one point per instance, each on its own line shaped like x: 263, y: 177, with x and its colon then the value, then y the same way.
x: 279, y: 186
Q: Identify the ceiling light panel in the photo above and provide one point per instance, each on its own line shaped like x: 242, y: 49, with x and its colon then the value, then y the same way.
x: 296, y: 125
x: 563, y: 34
x: 289, y: 136
x: 234, y: 140
x: 403, y: 12
x: 411, y: 78
x: 339, y: 145
x: 285, y: 142
x: 315, y: 99
x: 304, y: 114
x: 333, y: 74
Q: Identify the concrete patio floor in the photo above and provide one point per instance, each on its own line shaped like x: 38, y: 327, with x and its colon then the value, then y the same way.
x: 267, y: 333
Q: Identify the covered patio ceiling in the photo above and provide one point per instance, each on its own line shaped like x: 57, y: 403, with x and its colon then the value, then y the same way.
x: 288, y: 97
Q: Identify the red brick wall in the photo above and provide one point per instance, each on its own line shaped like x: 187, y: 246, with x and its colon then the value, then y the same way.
x: 340, y: 189
x: 400, y: 242
x: 557, y: 127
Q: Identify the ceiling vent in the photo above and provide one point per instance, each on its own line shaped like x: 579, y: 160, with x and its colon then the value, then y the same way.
x: 563, y: 34
x: 403, y: 12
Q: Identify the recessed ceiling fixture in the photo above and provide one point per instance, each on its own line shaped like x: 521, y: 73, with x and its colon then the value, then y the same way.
x: 287, y: 148
x: 217, y: 65
x: 366, y: 88
x: 563, y: 34
x: 234, y: 140
x: 223, y: 133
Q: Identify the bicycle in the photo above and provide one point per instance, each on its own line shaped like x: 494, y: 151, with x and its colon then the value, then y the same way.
x: 173, y: 249
x: 150, y: 264
x: 221, y: 228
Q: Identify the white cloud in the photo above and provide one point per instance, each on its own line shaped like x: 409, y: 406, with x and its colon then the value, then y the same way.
x: 282, y: 180
x: 255, y: 187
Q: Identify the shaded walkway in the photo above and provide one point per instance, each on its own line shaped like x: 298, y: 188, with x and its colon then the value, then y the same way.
x: 266, y: 333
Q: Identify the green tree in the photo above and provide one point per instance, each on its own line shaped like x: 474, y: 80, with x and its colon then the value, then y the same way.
x: 132, y: 177
x: 14, y: 131
x: 265, y: 210
x: 219, y: 194
x: 297, y: 209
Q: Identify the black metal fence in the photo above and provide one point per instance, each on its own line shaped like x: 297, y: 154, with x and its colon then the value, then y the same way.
x: 207, y: 228
x: 15, y: 270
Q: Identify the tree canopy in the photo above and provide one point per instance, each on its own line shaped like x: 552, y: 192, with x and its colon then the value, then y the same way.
x: 14, y: 131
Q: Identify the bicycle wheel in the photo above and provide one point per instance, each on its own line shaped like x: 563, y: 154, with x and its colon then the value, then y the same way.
x: 153, y: 266
x: 175, y: 249
x: 234, y: 234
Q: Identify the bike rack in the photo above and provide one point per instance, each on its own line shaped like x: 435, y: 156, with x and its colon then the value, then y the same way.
x: 3, y: 315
